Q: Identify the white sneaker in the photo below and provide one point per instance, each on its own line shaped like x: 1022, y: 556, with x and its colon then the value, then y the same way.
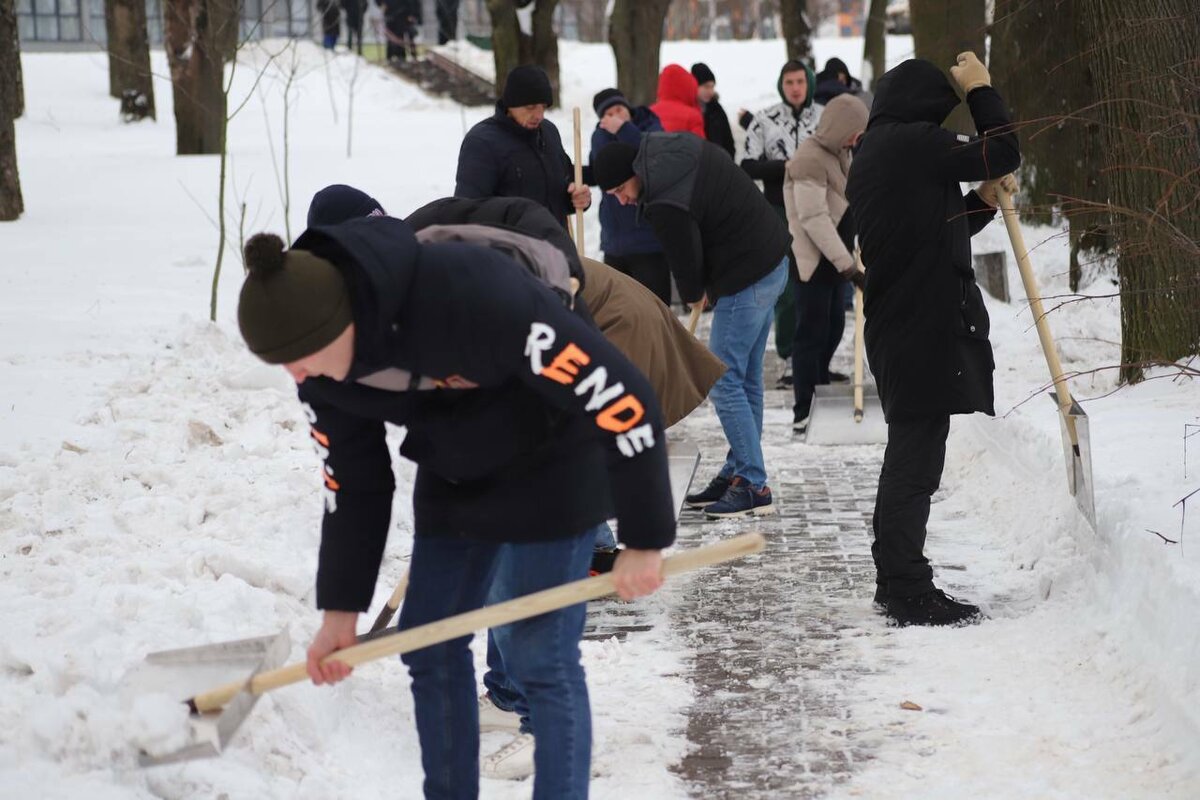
x: 494, y: 718
x: 513, y: 762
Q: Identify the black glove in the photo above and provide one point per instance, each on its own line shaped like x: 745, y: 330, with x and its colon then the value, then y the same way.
x: 857, y: 277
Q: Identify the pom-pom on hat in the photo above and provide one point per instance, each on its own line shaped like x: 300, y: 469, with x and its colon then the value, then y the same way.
x: 292, y: 303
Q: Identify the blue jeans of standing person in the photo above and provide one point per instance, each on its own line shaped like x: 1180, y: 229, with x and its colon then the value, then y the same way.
x: 741, y: 324
x: 451, y: 575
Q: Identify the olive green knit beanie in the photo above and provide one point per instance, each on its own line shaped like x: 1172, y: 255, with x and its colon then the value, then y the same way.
x: 292, y: 304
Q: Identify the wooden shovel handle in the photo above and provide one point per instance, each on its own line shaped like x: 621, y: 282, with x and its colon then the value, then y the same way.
x: 444, y: 630
x: 578, y: 181
x: 389, y: 610
x: 1013, y: 224
x: 694, y: 320
x: 858, y: 345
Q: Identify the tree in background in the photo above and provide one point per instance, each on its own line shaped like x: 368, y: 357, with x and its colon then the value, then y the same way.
x: 12, y: 93
x: 1145, y: 58
x: 590, y: 17
x: 511, y: 46
x: 129, y: 55
x: 196, y: 33
x: 635, y: 31
x: 941, y: 30
x: 11, y: 102
x: 1051, y: 93
x: 874, y: 44
x: 798, y: 29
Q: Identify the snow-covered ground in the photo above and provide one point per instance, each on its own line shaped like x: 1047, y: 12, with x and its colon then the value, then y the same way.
x: 158, y: 488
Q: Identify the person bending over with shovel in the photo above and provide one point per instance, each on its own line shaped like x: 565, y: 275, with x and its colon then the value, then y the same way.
x: 926, y: 325
x: 527, y: 428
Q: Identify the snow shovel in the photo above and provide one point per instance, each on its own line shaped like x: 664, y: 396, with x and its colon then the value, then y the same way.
x: 389, y: 609
x: 227, y: 705
x: 683, y: 458
x: 578, y: 183
x: 849, y: 414
x: 1077, y: 448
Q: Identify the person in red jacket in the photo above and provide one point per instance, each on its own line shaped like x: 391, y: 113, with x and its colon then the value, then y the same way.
x: 677, y: 107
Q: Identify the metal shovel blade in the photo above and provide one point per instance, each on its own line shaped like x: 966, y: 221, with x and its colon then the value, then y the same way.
x: 682, y: 460
x: 192, y: 669
x: 1078, y: 458
x: 833, y: 419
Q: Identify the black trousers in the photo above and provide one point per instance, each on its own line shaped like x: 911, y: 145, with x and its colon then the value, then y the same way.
x: 648, y: 269
x: 400, y: 33
x: 820, y: 321
x: 912, y: 471
x: 447, y: 17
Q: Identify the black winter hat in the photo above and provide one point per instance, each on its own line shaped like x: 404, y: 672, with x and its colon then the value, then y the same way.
x: 613, y: 165
x: 702, y: 73
x: 338, y: 203
x: 526, y: 85
x: 606, y: 99
x: 292, y: 303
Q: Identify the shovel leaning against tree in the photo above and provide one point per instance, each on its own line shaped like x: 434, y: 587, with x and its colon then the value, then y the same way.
x: 1077, y: 449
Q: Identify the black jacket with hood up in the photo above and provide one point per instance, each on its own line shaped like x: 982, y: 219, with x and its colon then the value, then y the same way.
x: 926, y: 324
x: 524, y: 422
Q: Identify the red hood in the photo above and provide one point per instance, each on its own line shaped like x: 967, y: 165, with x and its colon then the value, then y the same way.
x: 677, y: 84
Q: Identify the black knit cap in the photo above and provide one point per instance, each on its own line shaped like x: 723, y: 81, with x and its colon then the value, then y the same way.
x: 338, y: 203
x: 702, y: 73
x: 606, y: 99
x: 526, y: 85
x: 292, y: 303
x: 613, y: 165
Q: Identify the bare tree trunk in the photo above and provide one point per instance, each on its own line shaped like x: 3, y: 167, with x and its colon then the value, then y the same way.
x: 1146, y: 60
x: 635, y: 31
x: 193, y: 41
x: 590, y: 16
x: 512, y: 46
x: 11, y: 202
x: 129, y: 52
x: 797, y: 29
x: 12, y: 92
x: 941, y: 30
x: 875, y: 44
x: 690, y: 19
x: 1051, y: 93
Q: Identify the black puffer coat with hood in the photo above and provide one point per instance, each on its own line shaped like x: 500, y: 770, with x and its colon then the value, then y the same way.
x: 926, y: 325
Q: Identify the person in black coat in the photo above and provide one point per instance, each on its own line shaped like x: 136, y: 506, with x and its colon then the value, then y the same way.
x: 716, y: 121
x: 401, y: 18
x: 725, y: 245
x: 354, y: 10
x: 517, y: 152
x: 528, y: 428
x: 331, y: 22
x: 926, y: 325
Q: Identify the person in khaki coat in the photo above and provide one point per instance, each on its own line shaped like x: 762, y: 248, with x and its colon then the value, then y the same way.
x: 681, y: 370
x: 822, y: 228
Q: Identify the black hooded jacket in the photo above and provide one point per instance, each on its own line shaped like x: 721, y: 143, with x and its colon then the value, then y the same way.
x: 524, y: 422
x: 499, y: 158
x: 926, y: 325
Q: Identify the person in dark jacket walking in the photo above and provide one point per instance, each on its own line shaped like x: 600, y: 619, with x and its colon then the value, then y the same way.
x: 517, y: 152
x: 716, y: 122
x: 354, y: 10
x: 724, y: 244
x: 926, y: 325
x: 331, y: 22
x: 629, y: 243
x: 528, y: 430
x: 401, y: 18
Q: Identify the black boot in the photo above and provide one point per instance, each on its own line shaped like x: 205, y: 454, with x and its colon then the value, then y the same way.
x: 934, y: 607
x: 711, y: 493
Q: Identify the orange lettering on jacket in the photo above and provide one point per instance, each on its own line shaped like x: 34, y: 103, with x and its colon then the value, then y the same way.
x: 564, y: 368
x: 611, y: 419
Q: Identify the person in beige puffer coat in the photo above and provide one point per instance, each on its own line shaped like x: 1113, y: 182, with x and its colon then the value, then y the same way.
x: 814, y: 194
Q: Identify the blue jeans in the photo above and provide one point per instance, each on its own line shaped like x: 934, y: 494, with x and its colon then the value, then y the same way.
x: 740, y: 327
x: 453, y: 575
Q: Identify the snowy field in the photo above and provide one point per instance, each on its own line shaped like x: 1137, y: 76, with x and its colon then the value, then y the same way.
x: 158, y: 488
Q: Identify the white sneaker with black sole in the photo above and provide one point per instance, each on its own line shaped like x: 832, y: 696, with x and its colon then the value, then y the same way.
x: 513, y: 762
x: 494, y: 718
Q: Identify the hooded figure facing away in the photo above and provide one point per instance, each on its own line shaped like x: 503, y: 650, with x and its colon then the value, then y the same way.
x: 677, y: 107
x: 926, y: 325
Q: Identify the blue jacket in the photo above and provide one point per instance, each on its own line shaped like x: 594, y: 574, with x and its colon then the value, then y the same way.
x: 524, y: 422
x: 621, y: 231
x: 499, y: 158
